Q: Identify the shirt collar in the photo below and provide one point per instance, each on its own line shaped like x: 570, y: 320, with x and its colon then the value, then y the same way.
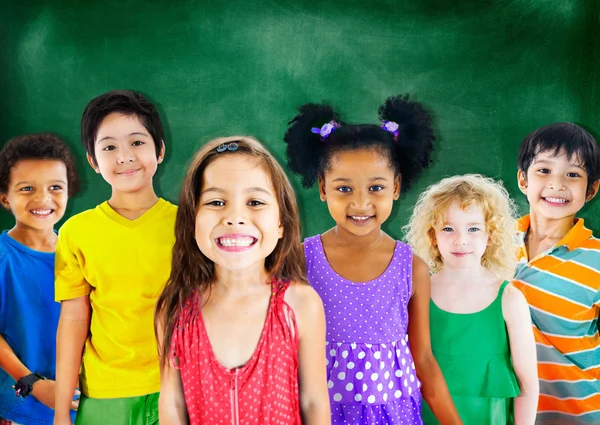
x: 572, y: 240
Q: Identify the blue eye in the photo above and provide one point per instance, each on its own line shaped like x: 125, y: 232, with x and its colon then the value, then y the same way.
x: 447, y: 229
x: 26, y: 189
x: 474, y: 229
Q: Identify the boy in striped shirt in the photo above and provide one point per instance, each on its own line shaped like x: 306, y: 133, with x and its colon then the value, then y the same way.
x: 559, y: 270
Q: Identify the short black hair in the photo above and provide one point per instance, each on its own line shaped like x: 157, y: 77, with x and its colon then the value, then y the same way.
x: 125, y: 102
x: 562, y: 136
x: 309, y: 154
x: 45, y: 146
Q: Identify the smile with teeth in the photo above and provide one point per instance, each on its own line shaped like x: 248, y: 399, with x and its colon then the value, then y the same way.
x: 361, y: 217
x: 555, y: 200
x: 41, y: 212
x: 241, y: 241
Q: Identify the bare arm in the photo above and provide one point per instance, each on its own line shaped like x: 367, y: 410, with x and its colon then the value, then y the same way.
x: 10, y: 363
x: 73, y: 329
x: 434, y: 389
x: 523, y: 351
x: 172, y: 409
x: 310, y: 319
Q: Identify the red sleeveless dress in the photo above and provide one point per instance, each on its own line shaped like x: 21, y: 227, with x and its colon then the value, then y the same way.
x: 263, y: 391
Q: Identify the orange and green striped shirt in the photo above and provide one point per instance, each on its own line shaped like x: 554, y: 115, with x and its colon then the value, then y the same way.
x: 562, y: 287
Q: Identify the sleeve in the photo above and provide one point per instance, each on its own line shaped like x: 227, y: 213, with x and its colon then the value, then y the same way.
x: 69, y: 279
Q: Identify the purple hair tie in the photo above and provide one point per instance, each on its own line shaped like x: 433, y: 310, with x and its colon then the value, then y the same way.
x: 391, y: 127
x: 326, y: 129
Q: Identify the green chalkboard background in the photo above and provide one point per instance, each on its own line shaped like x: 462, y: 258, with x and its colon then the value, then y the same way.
x: 491, y: 71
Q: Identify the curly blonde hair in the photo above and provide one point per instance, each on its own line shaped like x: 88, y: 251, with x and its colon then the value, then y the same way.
x: 470, y: 189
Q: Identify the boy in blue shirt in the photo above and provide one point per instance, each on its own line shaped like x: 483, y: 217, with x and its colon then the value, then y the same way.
x: 37, y: 175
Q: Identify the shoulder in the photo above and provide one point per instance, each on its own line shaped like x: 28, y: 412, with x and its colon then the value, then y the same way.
x: 3, y: 252
x: 513, y: 302
x: 419, y: 266
x: 303, y: 299
x: 170, y: 209
x: 81, y: 220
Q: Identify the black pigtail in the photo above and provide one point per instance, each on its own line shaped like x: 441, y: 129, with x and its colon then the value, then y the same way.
x: 415, y: 135
x: 305, y: 149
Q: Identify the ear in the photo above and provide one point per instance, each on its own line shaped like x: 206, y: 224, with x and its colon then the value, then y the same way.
x: 593, y: 191
x: 280, y: 231
x: 92, y: 163
x: 4, y: 201
x: 397, y: 186
x: 161, y: 155
x: 322, y: 194
x: 522, y: 179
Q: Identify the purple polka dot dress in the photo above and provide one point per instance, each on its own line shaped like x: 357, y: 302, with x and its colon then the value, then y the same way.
x: 370, y: 371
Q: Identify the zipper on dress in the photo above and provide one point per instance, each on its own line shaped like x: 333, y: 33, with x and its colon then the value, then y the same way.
x: 235, y: 411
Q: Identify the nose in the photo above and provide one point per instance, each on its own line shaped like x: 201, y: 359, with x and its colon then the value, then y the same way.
x: 556, y: 182
x: 42, y: 195
x: 460, y: 239
x: 234, y: 216
x: 125, y: 155
x: 360, y: 199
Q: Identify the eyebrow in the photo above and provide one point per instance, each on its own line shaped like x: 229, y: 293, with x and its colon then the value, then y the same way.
x: 130, y: 134
x: 345, y: 180
x: 249, y: 190
x: 473, y: 223
x: 29, y: 182
x: 547, y: 161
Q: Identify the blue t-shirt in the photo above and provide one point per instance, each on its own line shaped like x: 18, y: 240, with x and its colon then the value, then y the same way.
x: 28, y: 322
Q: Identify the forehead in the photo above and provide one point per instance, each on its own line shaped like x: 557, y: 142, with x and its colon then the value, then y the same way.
x: 38, y: 170
x: 359, y: 162
x: 471, y: 213
x: 559, y: 157
x: 119, y: 125
x: 237, y: 172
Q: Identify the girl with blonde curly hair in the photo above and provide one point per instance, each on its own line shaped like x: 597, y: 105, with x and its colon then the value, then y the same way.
x: 481, y: 335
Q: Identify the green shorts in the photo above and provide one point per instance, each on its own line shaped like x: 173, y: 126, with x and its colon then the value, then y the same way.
x: 141, y: 410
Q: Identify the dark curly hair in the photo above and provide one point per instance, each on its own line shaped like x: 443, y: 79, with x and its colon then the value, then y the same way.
x: 309, y: 155
x: 46, y: 146
x: 562, y: 136
x: 125, y: 102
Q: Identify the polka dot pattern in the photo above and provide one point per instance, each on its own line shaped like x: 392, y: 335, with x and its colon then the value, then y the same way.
x: 371, y: 375
x: 264, y: 390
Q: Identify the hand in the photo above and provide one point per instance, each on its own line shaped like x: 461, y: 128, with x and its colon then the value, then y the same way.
x: 43, y: 390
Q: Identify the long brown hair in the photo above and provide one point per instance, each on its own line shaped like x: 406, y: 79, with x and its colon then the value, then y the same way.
x: 191, y: 271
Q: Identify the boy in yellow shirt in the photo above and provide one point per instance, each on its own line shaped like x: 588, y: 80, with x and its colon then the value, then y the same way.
x: 111, y: 265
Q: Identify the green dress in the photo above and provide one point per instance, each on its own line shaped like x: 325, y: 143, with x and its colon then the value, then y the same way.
x: 474, y: 355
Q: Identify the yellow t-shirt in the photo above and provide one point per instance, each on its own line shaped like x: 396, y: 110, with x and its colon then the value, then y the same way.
x: 123, y: 266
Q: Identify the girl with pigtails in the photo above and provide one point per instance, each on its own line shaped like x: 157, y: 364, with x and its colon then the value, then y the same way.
x: 375, y: 291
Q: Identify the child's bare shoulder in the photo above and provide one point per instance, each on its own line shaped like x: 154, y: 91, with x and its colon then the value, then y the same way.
x: 303, y: 298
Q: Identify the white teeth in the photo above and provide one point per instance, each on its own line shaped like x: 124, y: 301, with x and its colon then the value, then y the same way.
x: 556, y: 200
x: 360, y: 217
x: 236, y: 241
x: 41, y: 212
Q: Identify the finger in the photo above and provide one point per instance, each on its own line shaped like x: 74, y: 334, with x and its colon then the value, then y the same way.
x: 75, y: 405
x: 77, y: 392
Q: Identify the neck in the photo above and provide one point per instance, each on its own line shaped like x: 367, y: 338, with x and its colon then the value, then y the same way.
x: 542, y: 228
x: 38, y: 239
x: 241, y: 282
x: 365, y: 242
x: 463, y: 276
x: 138, y: 201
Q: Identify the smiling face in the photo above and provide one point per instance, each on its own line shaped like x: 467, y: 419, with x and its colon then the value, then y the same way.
x: 125, y: 153
x: 462, y: 238
x: 37, y: 193
x: 555, y: 185
x: 360, y: 189
x: 238, y: 218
